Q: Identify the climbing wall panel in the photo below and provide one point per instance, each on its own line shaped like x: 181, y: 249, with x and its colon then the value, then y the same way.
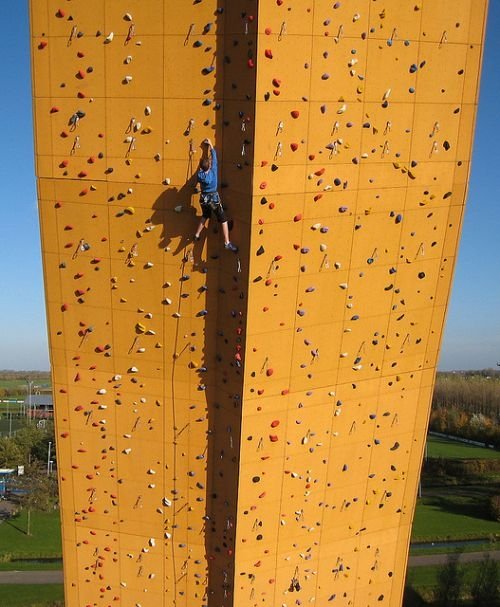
x: 247, y: 429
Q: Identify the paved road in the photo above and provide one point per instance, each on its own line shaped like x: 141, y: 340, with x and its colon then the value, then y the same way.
x: 56, y: 577
x: 31, y: 577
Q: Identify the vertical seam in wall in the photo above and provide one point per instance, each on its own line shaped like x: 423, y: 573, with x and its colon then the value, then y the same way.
x: 421, y: 370
x: 163, y: 332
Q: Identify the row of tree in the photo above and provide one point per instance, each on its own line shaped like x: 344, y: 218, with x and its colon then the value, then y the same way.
x: 36, y: 488
x: 467, y: 405
x: 452, y: 586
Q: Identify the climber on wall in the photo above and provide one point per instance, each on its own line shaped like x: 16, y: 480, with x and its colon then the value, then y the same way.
x: 209, y: 198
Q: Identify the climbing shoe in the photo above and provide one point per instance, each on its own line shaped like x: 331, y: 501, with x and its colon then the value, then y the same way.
x: 231, y: 247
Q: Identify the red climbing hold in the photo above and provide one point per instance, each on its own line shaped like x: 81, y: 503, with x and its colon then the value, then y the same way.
x: 43, y: 44
x: 60, y: 13
x: 275, y: 423
x: 294, y: 147
x: 268, y: 53
x: 319, y: 172
x: 276, y: 82
x: 268, y: 31
x: 263, y: 185
x: 273, y: 438
x: 54, y: 109
x: 269, y: 372
x: 297, y: 217
x: 251, y: 63
x: 295, y: 113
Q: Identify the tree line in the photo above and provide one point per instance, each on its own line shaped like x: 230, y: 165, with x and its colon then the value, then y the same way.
x: 467, y: 405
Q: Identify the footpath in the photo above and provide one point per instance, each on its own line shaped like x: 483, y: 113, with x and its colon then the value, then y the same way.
x: 56, y: 577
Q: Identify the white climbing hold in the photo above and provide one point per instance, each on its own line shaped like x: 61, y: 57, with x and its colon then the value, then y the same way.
x: 101, y: 391
x: 127, y: 17
x: 147, y: 111
x: 178, y: 208
x: 127, y: 79
x: 109, y: 38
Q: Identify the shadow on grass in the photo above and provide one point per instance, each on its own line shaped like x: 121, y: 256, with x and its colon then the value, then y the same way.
x: 472, y: 506
x: 10, y: 522
x: 412, y: 598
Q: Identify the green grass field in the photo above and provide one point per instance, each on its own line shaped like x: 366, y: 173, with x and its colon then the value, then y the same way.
x: 45, y: 540
x: 20, y: 386
x: 28, y: 565
x: 24, y: 595
x: 454, y: 513
x: 441, y: 447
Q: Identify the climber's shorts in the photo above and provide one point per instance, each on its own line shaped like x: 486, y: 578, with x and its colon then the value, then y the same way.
x: 211, y: 203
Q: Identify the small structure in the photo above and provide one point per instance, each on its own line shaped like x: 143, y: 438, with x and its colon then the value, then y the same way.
x: 5, y: 474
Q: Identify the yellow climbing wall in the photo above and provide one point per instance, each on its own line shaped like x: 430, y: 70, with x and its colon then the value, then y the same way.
x: 247, y: 429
